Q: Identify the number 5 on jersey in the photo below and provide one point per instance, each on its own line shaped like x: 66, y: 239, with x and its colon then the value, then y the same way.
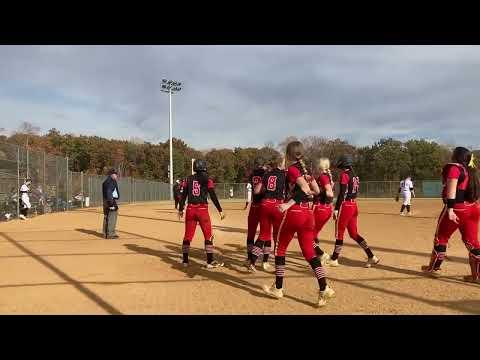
x: 196, y: 188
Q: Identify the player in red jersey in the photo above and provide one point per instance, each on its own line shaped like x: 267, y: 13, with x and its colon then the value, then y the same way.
x: 461, y: 211
x: 346, y: 212
x: 322, y: 208
x: 298, y: 219
x: 196, y: 189
x: 254, y: 212
x: 272, y: 187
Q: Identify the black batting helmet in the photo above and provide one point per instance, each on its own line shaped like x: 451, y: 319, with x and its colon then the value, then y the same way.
x: 344, y: 162
x: 199, y: 165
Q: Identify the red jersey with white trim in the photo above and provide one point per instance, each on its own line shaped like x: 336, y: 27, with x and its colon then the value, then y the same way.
x: 293, y: 173
x: 352, y: 182
x: 323, y: 180
x: 274, y: 182
x: 455, y: 171
x: 197, y: 187
x: 254, y: 179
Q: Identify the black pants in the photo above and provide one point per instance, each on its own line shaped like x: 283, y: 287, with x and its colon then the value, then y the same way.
x: 177, y: 201
x: 109, y: 220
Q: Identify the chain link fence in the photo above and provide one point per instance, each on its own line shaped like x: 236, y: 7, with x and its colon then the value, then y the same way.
x: 55, y: 188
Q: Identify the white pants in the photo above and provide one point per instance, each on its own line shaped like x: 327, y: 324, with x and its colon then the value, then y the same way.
x: 249, y: 196
x: 407, y: 197
x: 26, y: 201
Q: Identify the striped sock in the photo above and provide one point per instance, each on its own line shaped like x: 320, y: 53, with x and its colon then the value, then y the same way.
x: 257, y: 250
x: 185, y: 250
x: 250, y: 244
x: 437, y: 257
x: 363, y: 244
x: 338, y: 249
x: 319, y: 273
x: 279, y: 271
x: 266, y: 250
x: 209, y: 250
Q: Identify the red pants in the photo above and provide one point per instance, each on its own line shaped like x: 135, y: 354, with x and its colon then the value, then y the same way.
x: 197, y: 214
x: 347, y: 219
x: 299, y: 219
x: 253, y: 221
x: 468, y: 217
x: 270, y: 218
x: 322, y: 213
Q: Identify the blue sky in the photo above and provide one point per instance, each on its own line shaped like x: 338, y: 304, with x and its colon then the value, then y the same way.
x: 245, y: 95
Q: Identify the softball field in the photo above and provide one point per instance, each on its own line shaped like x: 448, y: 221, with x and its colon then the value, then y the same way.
x: 60, y: 264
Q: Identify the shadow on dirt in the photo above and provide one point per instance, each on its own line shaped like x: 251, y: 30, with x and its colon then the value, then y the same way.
x: 91, y: 232
x: 196, y: 269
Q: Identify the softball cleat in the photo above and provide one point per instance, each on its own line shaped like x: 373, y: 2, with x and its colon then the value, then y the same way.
x: 324, y: 295
x: 372, y: 261
x: 214, y: 264
x: 273, y: 291
x: 333, y: 263
x: 251, y: 268
x: 324, y: 258
x: 432, y: 272
x: 267, y: 267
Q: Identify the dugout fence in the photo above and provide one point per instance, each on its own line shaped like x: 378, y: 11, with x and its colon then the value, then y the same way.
x: 55, y: 188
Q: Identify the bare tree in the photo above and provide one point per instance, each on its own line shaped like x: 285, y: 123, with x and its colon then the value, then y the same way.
x: 28, y: 128
x: 282, y: 146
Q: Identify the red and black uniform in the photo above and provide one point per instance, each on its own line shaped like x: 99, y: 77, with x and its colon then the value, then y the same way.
x: 273, y: 187
x: 254, y: 212
x: 348, y: 213
x: 196, y: 189
x: 468, y: 214
x: 298, y: 219
x: 322, y: 208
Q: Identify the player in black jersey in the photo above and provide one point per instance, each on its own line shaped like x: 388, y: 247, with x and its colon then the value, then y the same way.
x: 197, y: 188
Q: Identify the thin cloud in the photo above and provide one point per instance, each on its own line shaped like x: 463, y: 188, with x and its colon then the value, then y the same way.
x: 245, y: 95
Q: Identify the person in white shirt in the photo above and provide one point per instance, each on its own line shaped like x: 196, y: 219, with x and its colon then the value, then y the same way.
x: 25, y: 199
x: 407, y: 191
x: 249, y: 195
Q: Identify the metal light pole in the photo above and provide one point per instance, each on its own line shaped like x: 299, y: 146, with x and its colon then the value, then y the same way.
x: 170, y: 87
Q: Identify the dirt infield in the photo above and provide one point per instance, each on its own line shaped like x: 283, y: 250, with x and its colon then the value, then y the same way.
x: 60, y: 264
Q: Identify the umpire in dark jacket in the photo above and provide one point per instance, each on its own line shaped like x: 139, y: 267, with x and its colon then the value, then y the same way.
x: 110, y: 208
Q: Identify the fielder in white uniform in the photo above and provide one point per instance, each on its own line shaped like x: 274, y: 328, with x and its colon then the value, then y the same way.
x: 25, y: 199
x: 407, y: 191
x: 249, y: 195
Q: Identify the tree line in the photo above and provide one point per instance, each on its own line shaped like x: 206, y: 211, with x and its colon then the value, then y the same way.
x: 386, y: 159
